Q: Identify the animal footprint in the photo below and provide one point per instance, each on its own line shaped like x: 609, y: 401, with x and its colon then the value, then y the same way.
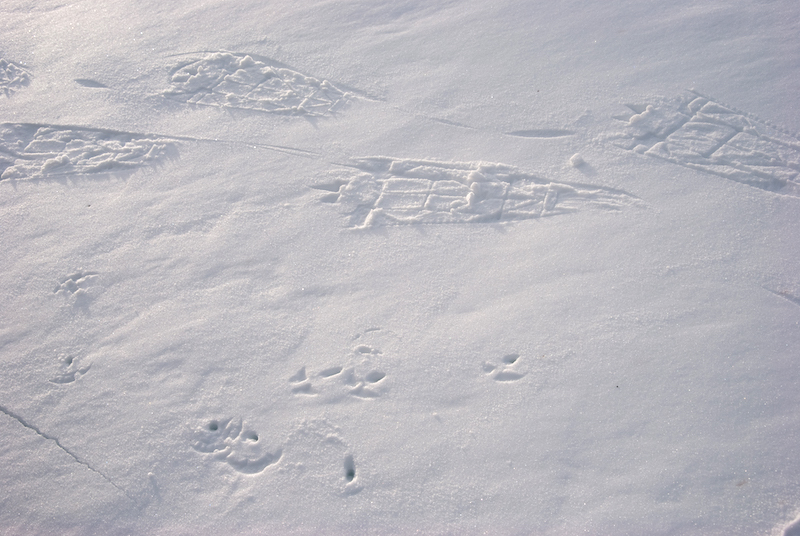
x: 317, y: 453
x: 505, y: 372
x: 13, y: 77
x: 31, y: 151
x: 302, y: 385
x: 227, y: 441
x: 235, y: 80
x: 71, y: 370
x: 332, y: 371
x: 698, y: 133
x: 336, y: 381
x: 76, y: 284
x: 349, y: 468
x: 387, y: 191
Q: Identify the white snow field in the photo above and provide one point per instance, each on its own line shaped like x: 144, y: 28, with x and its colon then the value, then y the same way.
x: 394, y: 267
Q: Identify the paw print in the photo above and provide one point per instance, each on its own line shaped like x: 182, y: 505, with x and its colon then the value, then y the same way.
x: 506, y: 370
x: 228, y: 441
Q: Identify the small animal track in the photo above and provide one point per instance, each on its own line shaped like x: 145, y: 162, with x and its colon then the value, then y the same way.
x: 337, y: 381
x: 315, y: 450
x: 234, y: 80
x: 387, y: 191
x: 506, y: 370
x: 13, y: 77
x: 30, y: 151
x: 698, y: 133
x: 226, y: 440
x: 349, y: 468
x: 71, y: 369
x: 76, y: 284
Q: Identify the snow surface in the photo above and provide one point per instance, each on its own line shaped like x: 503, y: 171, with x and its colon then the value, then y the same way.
x: 361, y: 267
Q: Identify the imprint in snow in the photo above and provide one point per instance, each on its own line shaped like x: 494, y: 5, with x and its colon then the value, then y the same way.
x: 30, y: 151
x: 71, y: 370
x: 506, y: 371
x: 696, y: 132
x: 227, y: 441
x: 235, y: 80
x: 337, y: 381
x: 13, y: 77
x: 75, y: 282
x: 319, y: 457
x: 793, y: 528
x: 387, y: 191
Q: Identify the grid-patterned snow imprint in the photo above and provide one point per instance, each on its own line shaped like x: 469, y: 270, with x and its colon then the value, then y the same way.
x: 39, y: 151
x: 13, y: 77
x: 701, y: 134
x: 389, y: 191
x: 238, y: 81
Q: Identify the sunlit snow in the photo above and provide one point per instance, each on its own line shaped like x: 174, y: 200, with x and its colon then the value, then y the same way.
x: 367, y: 267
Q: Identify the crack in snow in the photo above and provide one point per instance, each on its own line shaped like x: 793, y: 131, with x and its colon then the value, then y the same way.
x: 33, y: 427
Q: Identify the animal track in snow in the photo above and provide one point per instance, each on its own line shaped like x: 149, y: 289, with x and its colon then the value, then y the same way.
x: 71, y: 370
x: 337, y: 381
x: 30, y: 151
x: 506, y: 370
x: 315, y: 450
x: 235, y: 80
x: 387, y: 191
x: 698, y: 133
x: 226, y: 440
x: 76, y: 284
x: 13, y: 77
x: 349, y: 468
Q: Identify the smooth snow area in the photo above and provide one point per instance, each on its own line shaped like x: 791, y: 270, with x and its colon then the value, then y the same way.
x: 363, y: 267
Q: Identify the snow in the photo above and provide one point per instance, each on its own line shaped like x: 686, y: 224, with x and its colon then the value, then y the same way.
x: 391, y: 267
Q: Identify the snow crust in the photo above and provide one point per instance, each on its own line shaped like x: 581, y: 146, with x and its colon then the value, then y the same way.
x: 399, y: 267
